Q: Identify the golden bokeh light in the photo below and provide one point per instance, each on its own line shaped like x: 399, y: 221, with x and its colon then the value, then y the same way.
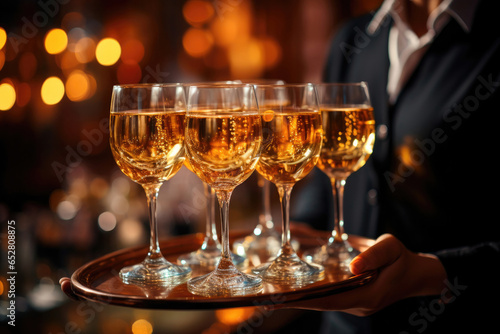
x: 108, y: 51
x: 142, y: 326
x: 7, y: 96
x: 92, y: 86
x: 197, y: 12
x: 234, y: 316
x: 132, y: 51
x: 197, y: 42
x: 225, y: 31
x: 246, y: 59
x: 56, y: 41
x: 68, y: 62
x: 52, y: 90
x: 3, y: 37
x: 85, y: 50
x: 77, y: 86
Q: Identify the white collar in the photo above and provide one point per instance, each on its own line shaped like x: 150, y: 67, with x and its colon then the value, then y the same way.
x: 461, y: 10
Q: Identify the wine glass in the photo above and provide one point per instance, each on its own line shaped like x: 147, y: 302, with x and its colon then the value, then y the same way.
x: 263, y: 244
x: 291, y: 126
x: 208, y: 255
x: 223, y: 143
x: 147, y: 142
x: 348, y: 138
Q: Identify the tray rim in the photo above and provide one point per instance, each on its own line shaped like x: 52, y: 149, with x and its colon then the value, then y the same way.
x: 85, y: 291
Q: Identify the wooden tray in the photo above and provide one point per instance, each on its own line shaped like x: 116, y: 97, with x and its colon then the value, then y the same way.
x: 98, y: 280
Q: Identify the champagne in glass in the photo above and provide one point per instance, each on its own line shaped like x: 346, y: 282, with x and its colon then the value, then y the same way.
x: 147, y: 142
x: 223, y: 141
x: 292, y: 144
x: 348, y: 138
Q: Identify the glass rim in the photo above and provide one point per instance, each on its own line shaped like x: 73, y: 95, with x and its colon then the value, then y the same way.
x: 284, y: 85
x: 357, y: 83
x: 146, y: 84
x: 217, y: 85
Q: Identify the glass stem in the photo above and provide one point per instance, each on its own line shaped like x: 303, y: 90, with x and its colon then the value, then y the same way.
x: 338, y: 233
x: 267, y: 205
x: 265, y: 216
x: 154, y: 253
x: 284, y: 192
x: 211, y: 239
x: 224, y: 197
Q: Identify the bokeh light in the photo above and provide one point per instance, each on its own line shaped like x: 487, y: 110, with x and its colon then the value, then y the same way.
x: 7, y: 96
x: 77, y: 86
x: 66, y: 210
x: 197, y: 12
x: 85, y: 50
x: 92, y: 86
x: 119, y: 204
x: 225, y: 31
x: 68, y: 62
x: 234, y: 316
x: 121, y: 185
x: 197, y: 42
x: 56, y: 41
x: 132, y: 51
x: 74, y: 36
x: 108, y: 51
x: 130, y: 232
x: 246, y: 59
x: 3, y: 37
x: 106, y: 221
x: 52, y: 90
x: 142, y: 326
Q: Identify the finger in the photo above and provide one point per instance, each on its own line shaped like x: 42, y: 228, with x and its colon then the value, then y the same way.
x: 385, y: 251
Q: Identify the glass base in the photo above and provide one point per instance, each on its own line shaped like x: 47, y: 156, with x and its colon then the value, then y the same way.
x: 208, y: 260
x: 258, y: 248
x: 289, y: 269
x: 226, y: 280
x: 199, y: 258
x: 157, y: 271
x: 337, y: 254
x: 261, y: 248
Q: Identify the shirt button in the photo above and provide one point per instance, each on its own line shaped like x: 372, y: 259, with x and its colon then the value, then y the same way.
x: 382, y: 131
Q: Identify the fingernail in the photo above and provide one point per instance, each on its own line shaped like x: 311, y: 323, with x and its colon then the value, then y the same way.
x: 357, y: 266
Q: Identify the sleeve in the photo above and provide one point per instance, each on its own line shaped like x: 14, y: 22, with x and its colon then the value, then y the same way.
x: 467, y: 264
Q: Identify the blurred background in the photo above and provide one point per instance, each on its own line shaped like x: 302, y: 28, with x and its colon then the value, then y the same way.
x: 58, y: 180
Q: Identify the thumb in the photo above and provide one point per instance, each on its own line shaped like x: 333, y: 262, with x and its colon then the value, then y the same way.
x: 384, y: 252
